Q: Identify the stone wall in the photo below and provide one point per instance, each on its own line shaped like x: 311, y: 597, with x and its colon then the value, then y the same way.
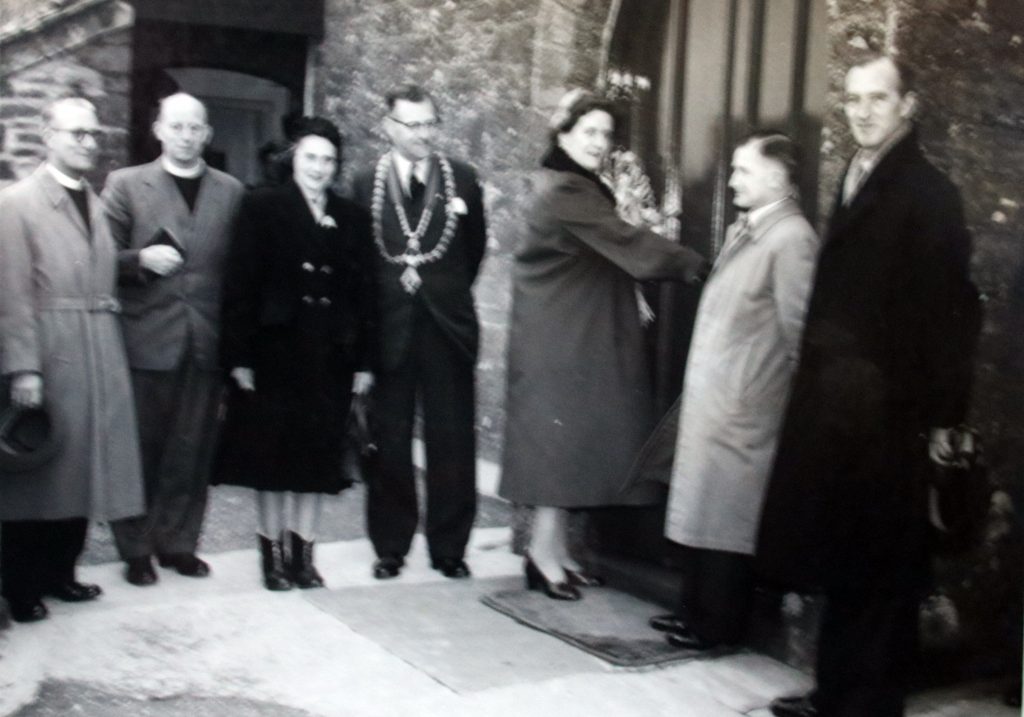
x: 81, y: 49
x: 497, y: 67
x: 969, y: 58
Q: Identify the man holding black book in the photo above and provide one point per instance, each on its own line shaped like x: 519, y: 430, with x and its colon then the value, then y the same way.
x: 172, y: 219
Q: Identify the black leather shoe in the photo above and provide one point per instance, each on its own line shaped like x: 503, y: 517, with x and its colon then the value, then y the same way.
x: 388, y: 566
x: 582, y: 579
x: 800, y: 706
x: 139, y: 571
x: 28, y: 611
x: 687, y: 639
x: 668, y: 623
x: 536, y: 580
x: 451, y: 567
x: 187, y: 564
x: 75, y: 591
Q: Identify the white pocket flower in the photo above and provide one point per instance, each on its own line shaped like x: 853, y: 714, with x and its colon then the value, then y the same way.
x: 457, y: 206
x: 327, y: 221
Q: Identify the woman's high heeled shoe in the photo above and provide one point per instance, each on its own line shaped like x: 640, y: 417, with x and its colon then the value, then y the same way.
x: 582, y: 579
x: 535, y: 580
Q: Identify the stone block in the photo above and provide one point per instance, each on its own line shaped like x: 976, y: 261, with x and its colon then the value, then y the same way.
x: 14, y: 107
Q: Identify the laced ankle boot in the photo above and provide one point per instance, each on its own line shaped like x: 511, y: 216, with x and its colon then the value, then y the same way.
x: 300, y: 563
x: 272, y: 555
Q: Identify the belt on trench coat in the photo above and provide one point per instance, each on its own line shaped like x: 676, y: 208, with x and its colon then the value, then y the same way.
x: 81, y: 303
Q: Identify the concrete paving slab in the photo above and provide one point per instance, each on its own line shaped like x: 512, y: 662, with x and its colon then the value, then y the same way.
x: 444, y: 630
x: 747, y: 681
x: 225, y: 646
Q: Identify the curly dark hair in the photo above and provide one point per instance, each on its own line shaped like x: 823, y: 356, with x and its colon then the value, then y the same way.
x: 320, y: 127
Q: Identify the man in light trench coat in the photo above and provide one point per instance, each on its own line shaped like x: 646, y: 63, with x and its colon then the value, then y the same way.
x: 742, y: 358
x: 60, y: 345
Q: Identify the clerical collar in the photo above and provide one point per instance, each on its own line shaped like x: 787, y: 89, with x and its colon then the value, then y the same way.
x: 406, y: 167
x: 64, y: 180
x: 190, y: 173
x: 761, y: 212
x: 868, y: 159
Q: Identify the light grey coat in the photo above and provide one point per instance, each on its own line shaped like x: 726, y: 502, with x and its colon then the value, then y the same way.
x: 741, y: 361
x: 57, y: 318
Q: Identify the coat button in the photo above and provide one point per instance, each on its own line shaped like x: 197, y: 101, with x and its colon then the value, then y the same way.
x: 324, y: 301
x: 307, y: 299
x: 306, y: 266
x: 327, y: 269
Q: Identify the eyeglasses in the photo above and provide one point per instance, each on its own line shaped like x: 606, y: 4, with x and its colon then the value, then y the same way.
x: 427, y: 124
x: 80, y: 135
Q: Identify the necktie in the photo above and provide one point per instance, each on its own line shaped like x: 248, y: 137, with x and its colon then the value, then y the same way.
x: 743, y: 227
x: 416, y: 188
x: 854, y: 176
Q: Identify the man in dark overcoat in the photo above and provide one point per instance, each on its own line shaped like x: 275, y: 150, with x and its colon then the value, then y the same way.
x: 429, y: 237
x: 172, y: 219
x: 884, y: 375
x: 60, y: 347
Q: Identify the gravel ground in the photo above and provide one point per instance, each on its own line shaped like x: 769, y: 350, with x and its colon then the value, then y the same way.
x: 231, y: 522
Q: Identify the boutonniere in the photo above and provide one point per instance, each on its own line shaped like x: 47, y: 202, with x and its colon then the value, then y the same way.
x: 457, y: 206
x: 327, y: 222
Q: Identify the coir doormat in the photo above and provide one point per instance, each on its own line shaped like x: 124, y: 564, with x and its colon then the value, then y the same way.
x: 607, y: 623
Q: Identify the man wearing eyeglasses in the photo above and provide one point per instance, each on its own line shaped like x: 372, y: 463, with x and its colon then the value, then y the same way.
x: 429, y: 238
x: 61, y: 349
x: 172, y: 219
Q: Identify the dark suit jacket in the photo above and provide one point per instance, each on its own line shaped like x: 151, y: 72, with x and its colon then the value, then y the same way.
x: 446, y: 292
x: 161, y: 314
x: 886, y: 356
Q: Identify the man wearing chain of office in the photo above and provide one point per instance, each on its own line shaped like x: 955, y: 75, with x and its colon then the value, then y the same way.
x: 429, y: 238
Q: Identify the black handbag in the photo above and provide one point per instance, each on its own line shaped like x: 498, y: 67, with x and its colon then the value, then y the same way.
x: 959, y: 495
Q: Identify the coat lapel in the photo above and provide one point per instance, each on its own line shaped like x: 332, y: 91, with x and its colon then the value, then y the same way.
x: 164, y: 189
x: 764, y: 224
x: 209, y: 202
x: 299, y: 207
x: 845, y: 216
x: 60, y: 200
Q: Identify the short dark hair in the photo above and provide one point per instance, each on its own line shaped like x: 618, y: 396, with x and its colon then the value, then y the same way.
x: 409, y: 92
x: 581, y: 103
x: 779, y: 146
x: 906, y: 74
x: 319, y: 127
